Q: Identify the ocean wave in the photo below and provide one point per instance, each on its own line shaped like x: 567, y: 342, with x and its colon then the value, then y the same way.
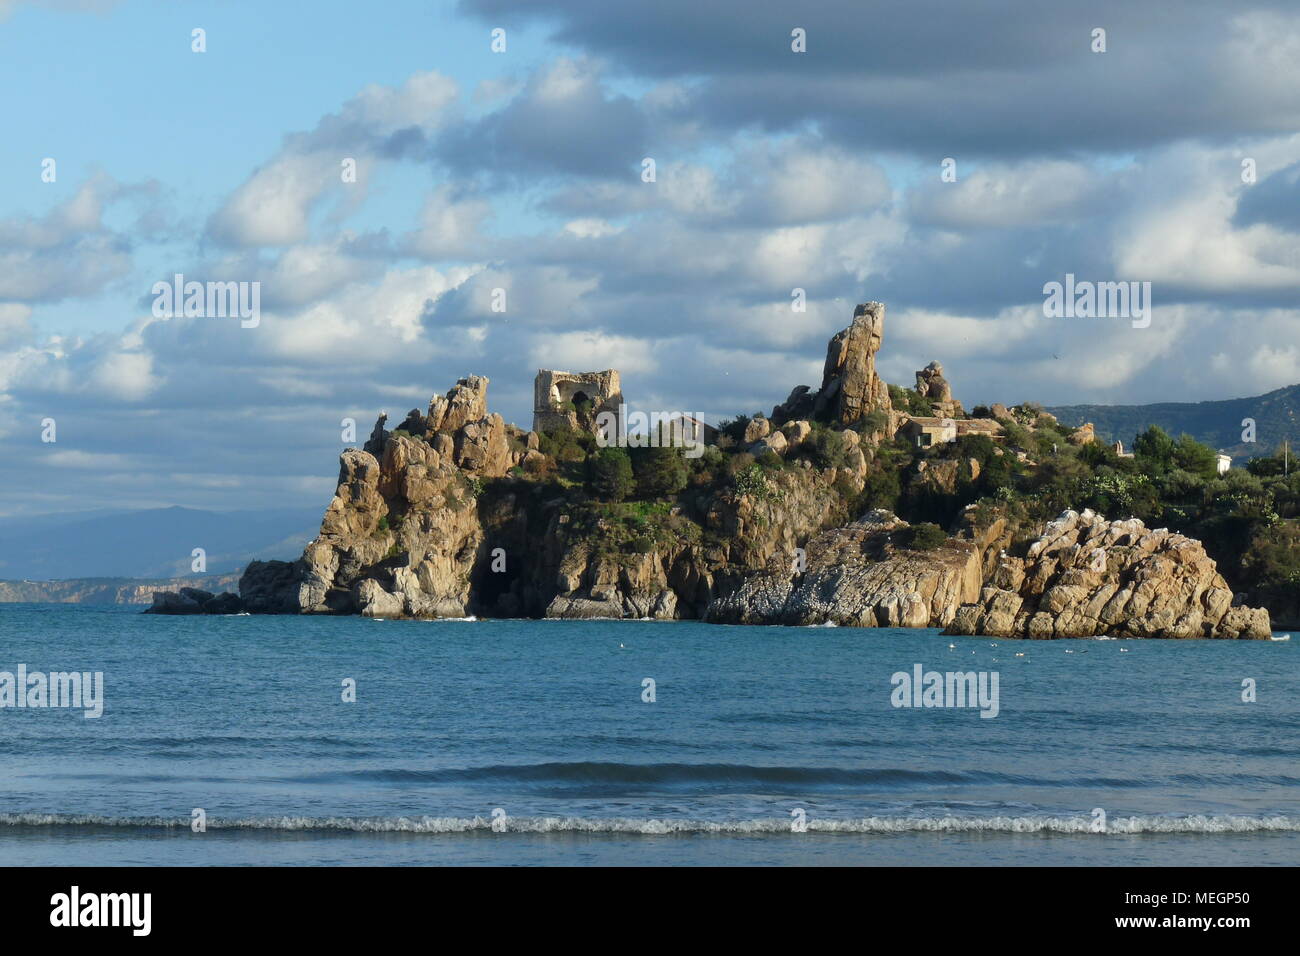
x: 701, y: 774
x: 604, y: 777
x: 706, y: 775
x: 1026, y: 824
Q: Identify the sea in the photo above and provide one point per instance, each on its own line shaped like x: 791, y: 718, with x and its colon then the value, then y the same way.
x: 256, y: 740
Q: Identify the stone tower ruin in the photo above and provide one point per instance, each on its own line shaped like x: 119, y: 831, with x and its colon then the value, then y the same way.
x: 574, y: 399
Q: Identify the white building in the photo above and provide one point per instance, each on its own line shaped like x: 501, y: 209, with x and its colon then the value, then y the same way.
x: 1225, y: 462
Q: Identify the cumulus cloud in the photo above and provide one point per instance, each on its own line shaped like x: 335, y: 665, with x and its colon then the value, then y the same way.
x: 274, y: 206
x: 776, y: 172
x: 67, y: 253
x: 946, y: 79
x: 1001, y: 195
x: 562, y: 121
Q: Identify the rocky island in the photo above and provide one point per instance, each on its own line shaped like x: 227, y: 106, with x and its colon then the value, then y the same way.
x: 790, y: 518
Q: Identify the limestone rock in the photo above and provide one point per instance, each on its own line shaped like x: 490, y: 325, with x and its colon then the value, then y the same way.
x: 224, y: 603
x: 931, y: 384
x: 378, y: 435
x: 1085, y: 576
x: 1083, y: 435
x: 173, y: 602
x: 374, y: 601
x: 465, y: 402
x: 857, y: 576
x: 798, y: 405
x: 272, y: 587
x: 850, y: 386
x: 774, y: 442
x: 796, y: 433
x: 757, y: 428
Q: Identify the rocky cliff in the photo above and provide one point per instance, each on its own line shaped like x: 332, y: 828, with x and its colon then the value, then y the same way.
x: 861, y: 575
x: 455, y: 513
x: 431, y: 526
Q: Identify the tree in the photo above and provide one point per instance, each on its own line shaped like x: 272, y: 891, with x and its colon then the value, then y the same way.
x: 609, y: 474
x: 1154, y: 450
x: 660, y: 472
x: 1197, y: 459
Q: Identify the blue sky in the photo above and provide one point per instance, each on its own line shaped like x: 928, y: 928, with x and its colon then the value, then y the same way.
x: 521, y: 170
x: 122, y: 93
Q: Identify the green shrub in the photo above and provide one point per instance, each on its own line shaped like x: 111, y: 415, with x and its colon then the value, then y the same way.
x: 923, y: 537
x: 881, y: 490
x: 826, y: 448
x: 911, y: 401
x: 609, y: 474
x: 660, y: 472
x: 734, y: 428
x: 872, y: 422
x: 754, y: 483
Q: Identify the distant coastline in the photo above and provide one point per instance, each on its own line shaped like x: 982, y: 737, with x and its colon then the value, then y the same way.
x: 107, y: 590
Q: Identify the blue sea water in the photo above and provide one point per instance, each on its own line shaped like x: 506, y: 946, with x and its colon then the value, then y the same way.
x: 544, y: 722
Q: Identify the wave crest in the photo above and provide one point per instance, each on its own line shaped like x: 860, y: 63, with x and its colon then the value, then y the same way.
x: 1117, y: 826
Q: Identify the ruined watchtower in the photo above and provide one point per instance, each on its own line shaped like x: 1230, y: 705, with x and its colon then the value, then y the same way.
x: 574, y: 399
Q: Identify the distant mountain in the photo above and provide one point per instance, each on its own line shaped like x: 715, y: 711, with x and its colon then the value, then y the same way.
x: 109, y: 590
x: 152, y: 543
x: 1217, y: 424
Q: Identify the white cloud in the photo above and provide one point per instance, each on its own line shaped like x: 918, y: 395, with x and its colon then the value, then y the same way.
x: 593, y: 351
x: 1003, y: 195
x: 273, y: 207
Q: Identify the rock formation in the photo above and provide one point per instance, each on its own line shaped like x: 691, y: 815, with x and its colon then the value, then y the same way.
x: 1086, y: 576
x: 194, y: 601
x: 850, y: 388
x: 931, y: 384
x: 850, y: 385
x: 1083, y: 435
x: 401, y: 534
x: 456, y: 513
x: 860, y: 575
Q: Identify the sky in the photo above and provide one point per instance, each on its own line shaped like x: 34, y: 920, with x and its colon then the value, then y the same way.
x: 1171, y: 157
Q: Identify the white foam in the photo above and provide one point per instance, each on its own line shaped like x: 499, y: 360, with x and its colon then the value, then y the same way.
x: 1081, y: 825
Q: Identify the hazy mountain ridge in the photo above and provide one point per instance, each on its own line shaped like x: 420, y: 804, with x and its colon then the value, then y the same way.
x: 107, y: 590
x: 1216, y: 423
